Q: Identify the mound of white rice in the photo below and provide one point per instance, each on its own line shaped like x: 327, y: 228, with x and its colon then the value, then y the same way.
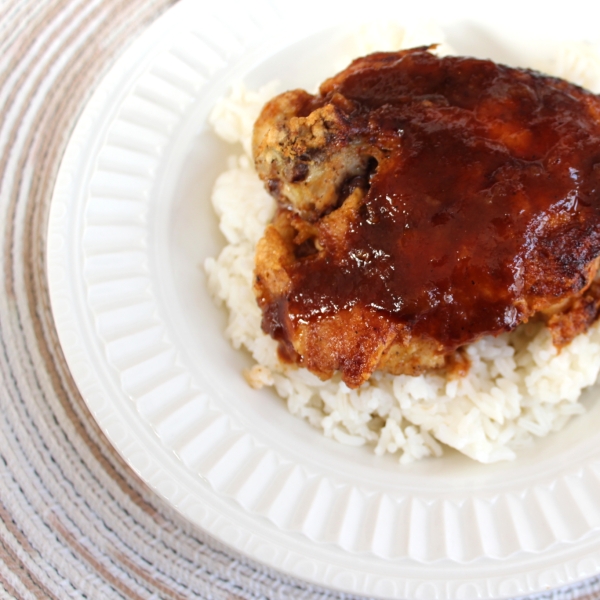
x: 518, y: 387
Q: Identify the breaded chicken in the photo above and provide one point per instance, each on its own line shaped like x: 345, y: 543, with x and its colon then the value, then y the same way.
x: 425, y: 202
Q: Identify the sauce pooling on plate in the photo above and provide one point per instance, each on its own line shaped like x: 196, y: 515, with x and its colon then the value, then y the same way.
x: 425, y: 202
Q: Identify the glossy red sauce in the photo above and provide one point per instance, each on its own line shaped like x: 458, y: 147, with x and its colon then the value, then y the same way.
x: 483, y: 166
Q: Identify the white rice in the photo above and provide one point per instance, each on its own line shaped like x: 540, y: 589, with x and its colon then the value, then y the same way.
x: 518, y: 387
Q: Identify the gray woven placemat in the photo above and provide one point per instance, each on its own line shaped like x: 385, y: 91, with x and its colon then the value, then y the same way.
x: 75, y: 521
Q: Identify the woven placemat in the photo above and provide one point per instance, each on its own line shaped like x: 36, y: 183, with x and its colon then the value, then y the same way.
x: 75, y: 521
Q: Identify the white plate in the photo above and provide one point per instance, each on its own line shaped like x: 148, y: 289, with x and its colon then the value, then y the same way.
x: 131, y: 224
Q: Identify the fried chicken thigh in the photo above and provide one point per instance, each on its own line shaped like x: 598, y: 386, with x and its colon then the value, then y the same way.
x: 423, y: 203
